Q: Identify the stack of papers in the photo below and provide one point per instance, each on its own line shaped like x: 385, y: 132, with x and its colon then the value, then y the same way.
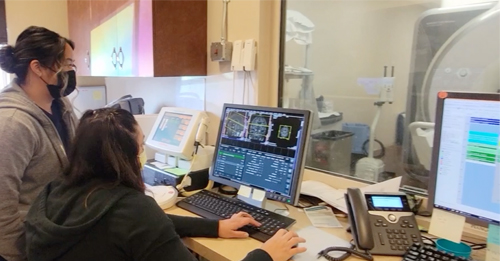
x: 335, y: 197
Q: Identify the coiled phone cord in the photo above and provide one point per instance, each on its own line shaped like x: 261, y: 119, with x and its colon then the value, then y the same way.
x: 348, y: 252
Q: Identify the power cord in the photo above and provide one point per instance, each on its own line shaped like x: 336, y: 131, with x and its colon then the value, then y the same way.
x: 282, y: 209
x: 186, y: 180
x: 230, y: 191
x: 348, y: 252
x: 473, y: 246
x: 382, y: 153
x: 432, y: 242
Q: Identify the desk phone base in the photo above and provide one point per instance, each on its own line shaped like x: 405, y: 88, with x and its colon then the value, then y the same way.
x: 394, y: 238
x: 212, y: 205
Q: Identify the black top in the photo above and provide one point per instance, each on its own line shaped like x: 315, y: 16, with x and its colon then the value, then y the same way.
x: 57, y: 119
x: 65, y: 223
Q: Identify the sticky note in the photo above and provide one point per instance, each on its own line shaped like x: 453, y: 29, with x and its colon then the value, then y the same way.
x: 447, y: 225
x: 493, y: 243
x: 258, y: 195
x: 176, y: 171
x: 494, y: 234
x: 245, y: 191
x: 96, y: 95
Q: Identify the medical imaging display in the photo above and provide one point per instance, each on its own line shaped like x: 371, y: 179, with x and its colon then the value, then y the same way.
x: 258, y: 127
x: 235, y: 124
x: 273, y: 129
x: 259, y: 148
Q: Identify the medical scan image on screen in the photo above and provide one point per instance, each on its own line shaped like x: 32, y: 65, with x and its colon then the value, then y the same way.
x: 259, y: 148
x: 468, y: 174
x: 172, y: 128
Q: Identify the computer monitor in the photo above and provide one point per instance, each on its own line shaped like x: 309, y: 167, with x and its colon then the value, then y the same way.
x: 262, y: 148
x: 465, y: 169
x: 174, y: 131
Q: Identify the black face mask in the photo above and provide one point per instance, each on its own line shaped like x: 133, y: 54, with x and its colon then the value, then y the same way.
x: 55, y: 89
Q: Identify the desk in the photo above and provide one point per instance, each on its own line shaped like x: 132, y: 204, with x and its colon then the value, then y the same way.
x: 217, y: 249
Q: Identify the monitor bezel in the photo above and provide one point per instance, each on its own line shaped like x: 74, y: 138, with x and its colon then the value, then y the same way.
x: 431, y: 190
x: 303, y: 141
x: 186, y: 148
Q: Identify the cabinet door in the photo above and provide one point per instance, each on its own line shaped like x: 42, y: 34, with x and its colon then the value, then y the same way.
x: 103, y: 49
x: 102, y: 10
x: 79, y: 18
x: 125, y: 37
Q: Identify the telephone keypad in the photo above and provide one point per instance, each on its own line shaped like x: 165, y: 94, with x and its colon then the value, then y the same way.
x: 396, y: 236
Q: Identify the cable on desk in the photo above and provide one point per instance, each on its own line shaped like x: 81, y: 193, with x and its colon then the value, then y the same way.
x: 348, y: 252
x: 282, y: 209
x: 478, y: 246
x: 473, y: 246
x: 433, y: 243
x: 230, y: 191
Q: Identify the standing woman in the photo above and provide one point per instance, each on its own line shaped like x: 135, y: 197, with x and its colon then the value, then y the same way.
x: 36, y: 126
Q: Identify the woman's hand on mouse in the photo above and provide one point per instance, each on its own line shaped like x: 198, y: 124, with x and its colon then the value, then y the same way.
x: 283, y: 245
x: 228, y: 228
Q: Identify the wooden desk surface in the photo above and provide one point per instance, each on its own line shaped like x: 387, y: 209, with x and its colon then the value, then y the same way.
x: 236, y: 249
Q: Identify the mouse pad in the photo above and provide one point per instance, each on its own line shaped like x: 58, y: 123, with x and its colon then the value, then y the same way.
x: 317, y: 240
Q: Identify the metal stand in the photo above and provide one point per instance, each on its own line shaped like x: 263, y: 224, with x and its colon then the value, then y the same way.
x: 257, y: 197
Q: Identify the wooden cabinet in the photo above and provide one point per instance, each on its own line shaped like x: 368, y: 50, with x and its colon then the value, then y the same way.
x: 79, y: 21
x: 139, y: 37
x: 111, y: 45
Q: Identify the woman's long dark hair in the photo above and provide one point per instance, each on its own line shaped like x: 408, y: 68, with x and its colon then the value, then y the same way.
x: 105, y: 148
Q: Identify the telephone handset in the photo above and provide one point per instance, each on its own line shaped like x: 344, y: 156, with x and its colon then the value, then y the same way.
x: 359, y: 219
x: 381, y: 223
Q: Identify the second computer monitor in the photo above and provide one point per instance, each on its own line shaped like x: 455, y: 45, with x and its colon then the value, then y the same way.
x: 262, y: 148
x: 465, y: 172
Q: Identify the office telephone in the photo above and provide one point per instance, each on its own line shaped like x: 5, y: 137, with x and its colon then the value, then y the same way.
x: 381, y: 223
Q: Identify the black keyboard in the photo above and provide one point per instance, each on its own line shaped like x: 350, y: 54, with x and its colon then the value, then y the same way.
x: 214, y: 206
x: 418, y: 252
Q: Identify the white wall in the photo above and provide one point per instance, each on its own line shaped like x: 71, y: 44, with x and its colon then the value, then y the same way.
x: 21, y: 14
x: 354, y: 39
x: 199, y: 93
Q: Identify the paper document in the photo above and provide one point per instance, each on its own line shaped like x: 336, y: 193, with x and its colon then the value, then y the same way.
x: 317, y: 240
x: 493, y: 243
x: 391, y: 185
x: 335, y: 197
x: 447, y: 225
x: 322, y: 216
x: 332, y: 196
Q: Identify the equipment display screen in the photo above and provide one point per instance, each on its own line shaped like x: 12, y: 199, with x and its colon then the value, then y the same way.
x: 172, y: 128
x: 387, y: 202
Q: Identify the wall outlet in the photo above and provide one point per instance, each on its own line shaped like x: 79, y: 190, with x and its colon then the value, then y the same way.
x: 249, y: 54
x: 221, y: 52
x: 237, y: 57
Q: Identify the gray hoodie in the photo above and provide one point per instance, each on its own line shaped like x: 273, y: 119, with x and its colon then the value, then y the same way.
x: 31, y: 155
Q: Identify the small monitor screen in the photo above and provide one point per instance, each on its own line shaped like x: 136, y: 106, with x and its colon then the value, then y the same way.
x: 172, y: 128
x: 260, y: 149
x: 387, y: 202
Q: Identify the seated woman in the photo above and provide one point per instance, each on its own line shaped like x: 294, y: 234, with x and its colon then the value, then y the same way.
x: 98, y: 210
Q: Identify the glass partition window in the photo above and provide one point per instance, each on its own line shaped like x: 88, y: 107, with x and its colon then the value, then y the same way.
x: 371, y: 71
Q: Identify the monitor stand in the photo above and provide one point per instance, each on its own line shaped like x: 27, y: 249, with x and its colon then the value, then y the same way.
x: 257, y: 197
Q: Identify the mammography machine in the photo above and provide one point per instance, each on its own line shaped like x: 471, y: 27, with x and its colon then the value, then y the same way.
x: 454, y: 49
